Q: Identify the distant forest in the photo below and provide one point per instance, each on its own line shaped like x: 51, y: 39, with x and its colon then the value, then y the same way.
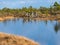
x: 31, y: 12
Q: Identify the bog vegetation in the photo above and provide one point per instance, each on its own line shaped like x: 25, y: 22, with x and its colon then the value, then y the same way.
x: 31, y: 12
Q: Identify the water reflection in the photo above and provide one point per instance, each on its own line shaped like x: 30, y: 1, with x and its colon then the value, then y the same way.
x: 46, y: 32
x: 26, y: 20
x: 57, y: 26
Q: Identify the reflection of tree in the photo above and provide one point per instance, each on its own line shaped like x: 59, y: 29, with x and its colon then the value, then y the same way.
x: 27, y: 20
x: 15, y: 20
x: 57, y: 27
x: 46, y: 22
x: 5, y: 22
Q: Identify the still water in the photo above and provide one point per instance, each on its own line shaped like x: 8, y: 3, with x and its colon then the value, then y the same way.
x: 43, y: 32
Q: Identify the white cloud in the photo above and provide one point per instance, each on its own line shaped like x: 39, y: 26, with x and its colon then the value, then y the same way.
x: 16, y: 2
x: 22, y: 2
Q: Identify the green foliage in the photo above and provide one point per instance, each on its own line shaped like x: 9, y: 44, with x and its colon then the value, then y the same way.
x: 55, y: 9
x: 30, y: 11
x: 56, y: 4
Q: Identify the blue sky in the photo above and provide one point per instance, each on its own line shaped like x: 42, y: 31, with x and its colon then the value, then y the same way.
x: 26, y: 3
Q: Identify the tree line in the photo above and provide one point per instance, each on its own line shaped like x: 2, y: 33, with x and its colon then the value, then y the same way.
x: 30, y: 11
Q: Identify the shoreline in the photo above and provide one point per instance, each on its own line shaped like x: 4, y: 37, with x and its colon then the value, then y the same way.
x: 5, y: 18
x: 11, y: 39
x: 34, y: 18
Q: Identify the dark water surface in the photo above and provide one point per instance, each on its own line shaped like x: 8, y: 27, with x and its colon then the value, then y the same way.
x: 44, y: 32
